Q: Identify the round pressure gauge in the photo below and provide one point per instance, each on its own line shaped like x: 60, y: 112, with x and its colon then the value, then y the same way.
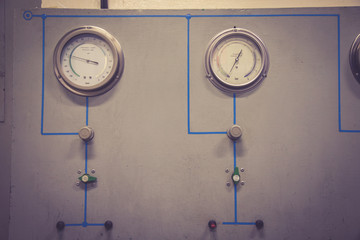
x: 355, y: 58
x: 236, y: 60
x: 88, y: 61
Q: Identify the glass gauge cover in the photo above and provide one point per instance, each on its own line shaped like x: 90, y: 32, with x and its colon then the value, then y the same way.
x: 354, y: 58
x: 236, y: 60
x: 88, y: 61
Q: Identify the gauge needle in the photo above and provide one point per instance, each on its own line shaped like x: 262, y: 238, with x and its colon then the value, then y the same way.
x: 85, y: 60
x: 236, y: 60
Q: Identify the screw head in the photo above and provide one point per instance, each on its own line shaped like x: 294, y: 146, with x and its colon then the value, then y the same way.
x: 79, y: 171
x: 93, y: 171
x: 77, y: 183
x: 108, y: 225
x: 242, y: 183
x: 242, y: 170
x: 228, y: 184
x: 60, y: 225
x: 212, y: 225
x: 227, y: 170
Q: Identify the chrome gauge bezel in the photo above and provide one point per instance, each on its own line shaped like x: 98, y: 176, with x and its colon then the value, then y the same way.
x: 354, y: 58
x: 111, y: 79
x: 221, y: 83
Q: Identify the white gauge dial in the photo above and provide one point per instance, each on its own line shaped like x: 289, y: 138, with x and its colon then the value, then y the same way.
x: 236, y: 60
x: 88, y: 61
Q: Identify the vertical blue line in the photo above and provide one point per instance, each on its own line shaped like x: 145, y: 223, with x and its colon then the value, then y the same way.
x: 234, y: 96
x: 339, y: 92
x: 234, y: 144
x: 235, y: 204
x: 87, y: 111
x: 235, y: 193
x: 86, y: 156
x: 43, y: 76
x: 188, y: 72
x: 85, y: 206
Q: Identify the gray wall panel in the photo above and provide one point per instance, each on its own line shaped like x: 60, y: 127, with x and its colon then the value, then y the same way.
x: 156, y: 181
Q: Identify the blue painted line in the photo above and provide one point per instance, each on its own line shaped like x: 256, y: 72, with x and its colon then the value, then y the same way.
x: 207, y: 132
x: 239, y: 223
x: 85, y: 204
x: 267, y: 15
x: 74, y: 225
x: 87, y: 111
x: 112, y: 16
x: 350, y: 131
x: 188, y: 74
x: 235, y: 192
x: 234, y: 103
x: 43, y: 77
x: 86, y: 157
x: 60, y: 134
x: 96, y: 224
x: 234, y: 146
x: 339, y: 90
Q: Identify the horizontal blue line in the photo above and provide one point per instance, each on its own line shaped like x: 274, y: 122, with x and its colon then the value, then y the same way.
x: 95, y: 224
x: 351, y: 131
x: 59, y: 133
x: 73, y: 225
x: 207, y: 132
x: 186, y: 16
x: 271, y: 15
x: 239, y: 223
x: 111, y: 16
x: 84, y: 225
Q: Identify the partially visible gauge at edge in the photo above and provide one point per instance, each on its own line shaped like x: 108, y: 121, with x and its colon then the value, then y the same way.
x: 88, y: 61
x: 354, y: 58
x: 236, y: 60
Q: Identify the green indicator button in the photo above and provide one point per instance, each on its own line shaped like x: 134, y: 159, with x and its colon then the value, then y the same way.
x: 236, y: 176
x: 86, y: 178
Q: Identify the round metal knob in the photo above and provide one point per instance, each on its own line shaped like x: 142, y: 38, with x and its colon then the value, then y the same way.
x: 86, y: 133
x: 234, y: 133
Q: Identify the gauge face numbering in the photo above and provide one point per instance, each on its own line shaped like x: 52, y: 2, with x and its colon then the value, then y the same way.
x: 88, y: 61
x: 236, y: 60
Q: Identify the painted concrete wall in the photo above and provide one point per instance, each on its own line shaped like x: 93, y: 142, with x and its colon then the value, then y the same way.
x: 158, y: 180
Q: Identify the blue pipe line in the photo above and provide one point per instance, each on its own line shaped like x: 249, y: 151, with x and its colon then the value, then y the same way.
x: 239, y: 223
x: 268, y: 15
x: 339, y: 92
x: 73, y: 133
x: 87, y: 111
x: 85, y: 205
x: 207, y: 133
x: 73, y: 224
x: 86, y: 157
x: 113, y: 16
x: 84, y: 224
x: 43, y: 76
x: 234, y: 103
x: 188, y: 74
x: 235, y: 192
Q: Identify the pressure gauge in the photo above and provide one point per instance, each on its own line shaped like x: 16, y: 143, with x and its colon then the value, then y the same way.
x: 236, y: 60
x: 88, y: 61
x: 354, y: 58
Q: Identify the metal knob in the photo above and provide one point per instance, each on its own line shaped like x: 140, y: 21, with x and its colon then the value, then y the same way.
x: 86, y: 133
x: 234, y: 133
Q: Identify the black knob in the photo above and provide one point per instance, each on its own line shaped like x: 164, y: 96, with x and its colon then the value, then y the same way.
x: 212, y: 224
x: 60, y: 225
x: 108, y: 225
x: 259, y: 224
